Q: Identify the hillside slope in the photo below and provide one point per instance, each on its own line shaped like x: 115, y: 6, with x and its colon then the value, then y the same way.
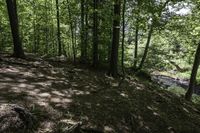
x: 61, y: 95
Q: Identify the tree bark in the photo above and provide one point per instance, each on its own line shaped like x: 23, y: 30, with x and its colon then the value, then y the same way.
x: 95, y: 33
x: 136, y: 45
x: 86, y: 29
x: 188, y: 95
x: 13, y: 18
x: 72, y: 32
x: 46, y: 29
x: 115, y: 40
x: 58, y: 28
x: 1, y: 38
x: 75, y: 38
x: 123, y: 36
x: 146, y: 48
x: 34, y: 50
x: 83, y: 56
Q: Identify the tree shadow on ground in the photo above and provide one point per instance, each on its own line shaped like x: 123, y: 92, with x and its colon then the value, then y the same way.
x: 61, y: 97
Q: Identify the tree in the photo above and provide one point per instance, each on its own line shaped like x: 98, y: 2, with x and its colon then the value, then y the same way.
x: 188, y: 95
x: 95, y: 33
x: 156, y: 16
x: 58, y: 28
x: 146, y: 47
x: 123, y: 35
x: 72, y: 32
x: 136, y: 45
x: 115, y: 39
x: 83, y: 48
x: 86, y: 30
x: 13, y: 17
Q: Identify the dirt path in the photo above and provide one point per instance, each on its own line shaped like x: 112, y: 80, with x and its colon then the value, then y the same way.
x: 53, y: 93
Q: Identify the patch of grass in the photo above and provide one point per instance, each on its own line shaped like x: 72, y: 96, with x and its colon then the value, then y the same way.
x: 179, y: 91
x: 184, y: 75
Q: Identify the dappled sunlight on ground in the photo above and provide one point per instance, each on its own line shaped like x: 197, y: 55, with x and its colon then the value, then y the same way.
x: 56, y: 90
x: 64, y: 96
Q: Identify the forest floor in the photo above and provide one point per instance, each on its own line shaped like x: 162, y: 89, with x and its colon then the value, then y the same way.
x: 61, y: 95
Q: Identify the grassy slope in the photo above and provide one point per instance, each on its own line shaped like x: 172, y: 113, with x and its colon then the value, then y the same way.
x: 61, y: 95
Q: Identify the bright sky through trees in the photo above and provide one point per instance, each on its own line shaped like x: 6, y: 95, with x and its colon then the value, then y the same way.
x: 181, y: 8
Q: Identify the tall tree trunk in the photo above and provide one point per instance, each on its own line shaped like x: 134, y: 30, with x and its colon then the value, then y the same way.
x: 75, y: 39
x: 123, y: 35
x: 109, y: 45
x: 83, y: 31
x: 1, y: 44
x: 53, y: 30
x: 34, y: 28
x: 12, y: 12
x: 95, y: 33
x: 72, y: 32
x: 58, y: 28
x: 115, y: 40
x: 46, y: 29
x: 21, y: 25
x: 188, y: 95
x: 1, y: 38
x: 34, y: 37
x: 86, y: 29
x: 136, y: 45
x: 150, y: 34
x: 146, y: 47
x: 38, y: 38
